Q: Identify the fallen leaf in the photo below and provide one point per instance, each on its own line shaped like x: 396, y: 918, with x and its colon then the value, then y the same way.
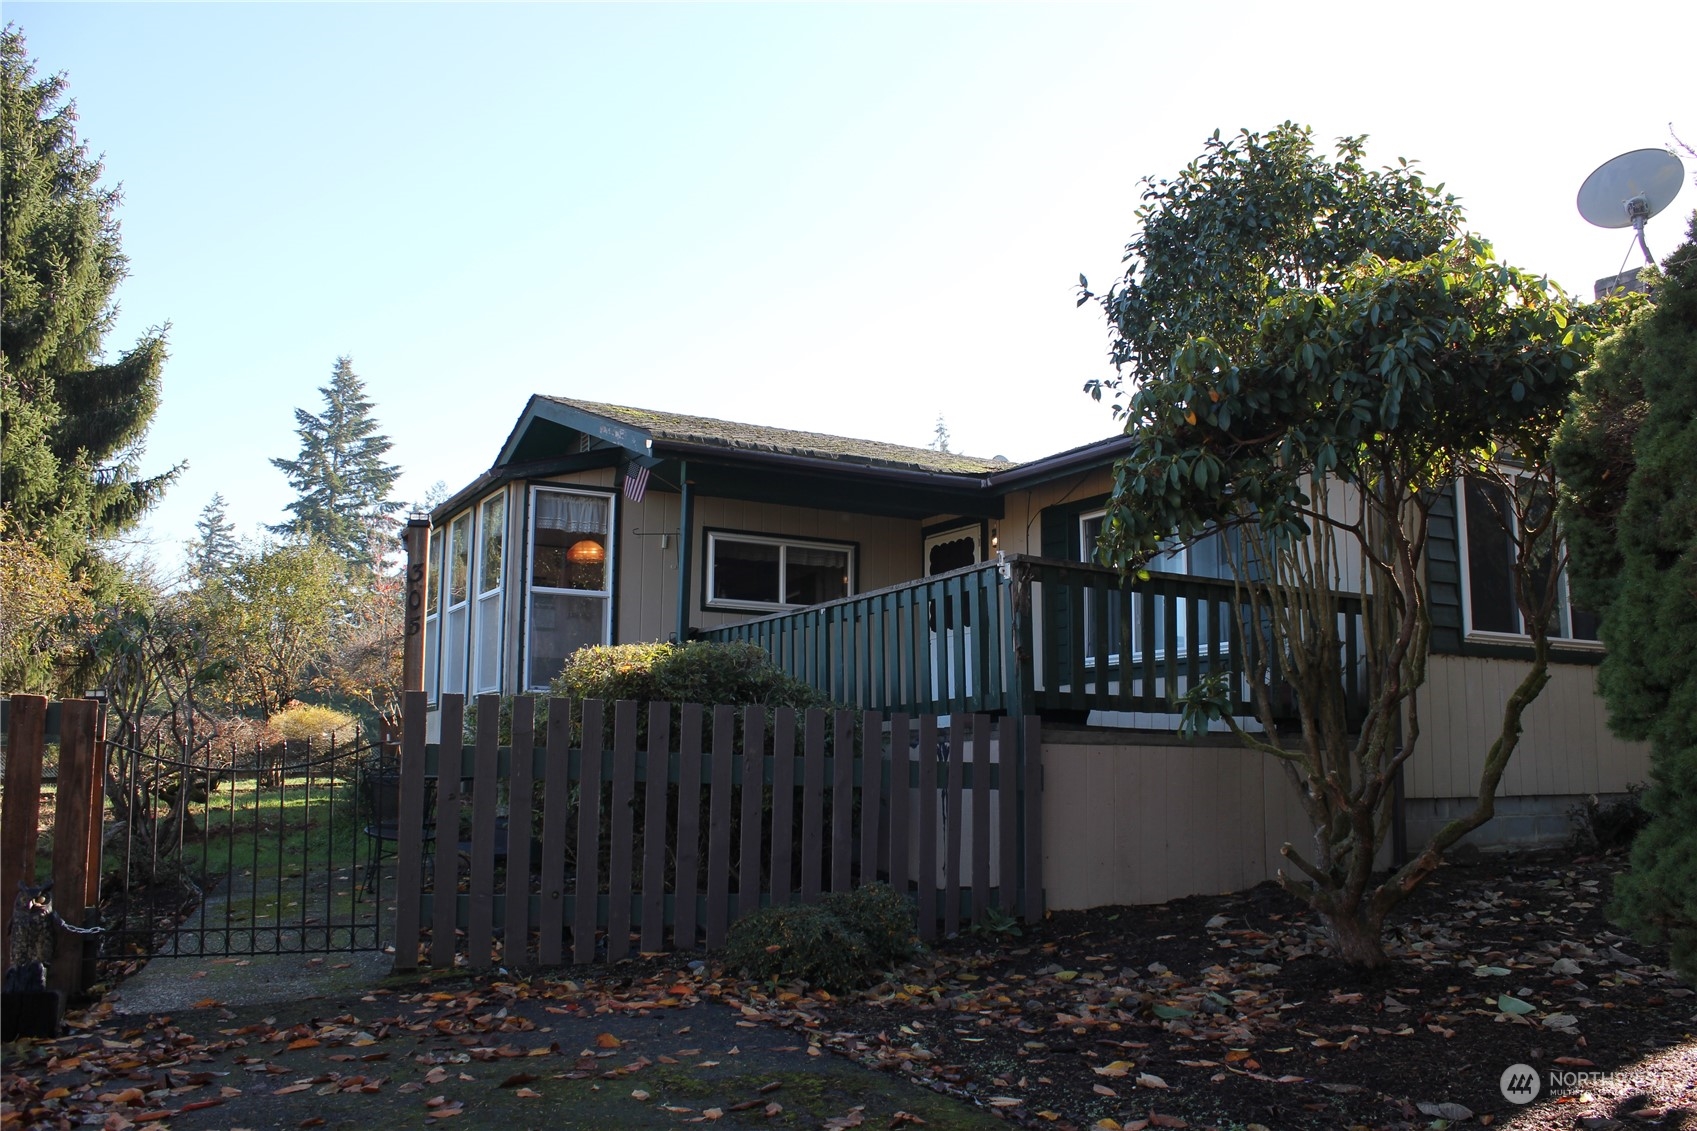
x: 1145, y: 1080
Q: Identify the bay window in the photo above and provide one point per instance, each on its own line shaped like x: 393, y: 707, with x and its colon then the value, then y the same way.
x: 491, y: 540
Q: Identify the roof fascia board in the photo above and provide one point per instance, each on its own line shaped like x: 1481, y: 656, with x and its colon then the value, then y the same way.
x: 633, y: 440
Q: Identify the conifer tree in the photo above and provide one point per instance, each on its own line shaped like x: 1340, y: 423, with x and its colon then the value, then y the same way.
x: 74, y: 425
x: 214, y: 548
x: 341, y: 482
x: 1628, y: 460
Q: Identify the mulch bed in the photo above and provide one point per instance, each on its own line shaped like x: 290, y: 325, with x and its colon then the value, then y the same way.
x: 1224, y: 1012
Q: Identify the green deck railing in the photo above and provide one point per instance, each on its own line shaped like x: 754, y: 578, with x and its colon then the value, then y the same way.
x: 1028, y: 635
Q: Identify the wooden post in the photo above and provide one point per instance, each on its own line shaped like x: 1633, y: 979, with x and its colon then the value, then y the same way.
x: 19, y: 820
x: 71, y: 827
x: 416, y: 537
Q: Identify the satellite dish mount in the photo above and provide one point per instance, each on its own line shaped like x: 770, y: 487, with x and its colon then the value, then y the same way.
x: 1627, y: 190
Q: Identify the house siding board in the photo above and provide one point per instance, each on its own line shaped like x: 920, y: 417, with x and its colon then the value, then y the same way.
x: 1566, y: 748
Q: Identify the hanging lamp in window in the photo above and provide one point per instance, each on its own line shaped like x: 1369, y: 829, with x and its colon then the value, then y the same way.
x: 587, y: 552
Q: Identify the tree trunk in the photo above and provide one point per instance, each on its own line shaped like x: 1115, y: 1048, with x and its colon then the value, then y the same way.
x: 1356, y: 937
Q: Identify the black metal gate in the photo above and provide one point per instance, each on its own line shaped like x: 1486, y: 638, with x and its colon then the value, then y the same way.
x: 211, y: 849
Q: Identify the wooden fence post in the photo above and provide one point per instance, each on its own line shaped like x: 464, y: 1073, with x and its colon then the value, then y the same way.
x: 22, y: 807
x: 72, y: 820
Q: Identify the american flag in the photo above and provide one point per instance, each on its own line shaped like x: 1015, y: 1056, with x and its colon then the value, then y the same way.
x: 636, y: 482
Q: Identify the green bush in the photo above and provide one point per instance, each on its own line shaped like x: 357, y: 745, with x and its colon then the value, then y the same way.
x: 844, y: 942
x: 309, y: 722
x: 699, y: 672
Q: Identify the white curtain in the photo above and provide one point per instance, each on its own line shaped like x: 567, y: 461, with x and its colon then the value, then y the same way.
x: 574, y: 514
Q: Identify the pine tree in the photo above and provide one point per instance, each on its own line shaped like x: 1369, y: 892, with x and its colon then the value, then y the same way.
x: 74, y: 426
x: 214, y: 548
x: 341, y: 482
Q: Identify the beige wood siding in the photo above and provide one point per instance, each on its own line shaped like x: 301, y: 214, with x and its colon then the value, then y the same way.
x: 648, y: 568
x: 1021, y: 528
x: 1566, y: 748
x: 1127, y: 823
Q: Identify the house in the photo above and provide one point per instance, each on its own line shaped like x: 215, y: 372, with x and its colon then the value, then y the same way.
x: 909, y: 579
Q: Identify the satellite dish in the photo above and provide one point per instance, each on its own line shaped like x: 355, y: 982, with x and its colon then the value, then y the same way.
x: 1628, y: 190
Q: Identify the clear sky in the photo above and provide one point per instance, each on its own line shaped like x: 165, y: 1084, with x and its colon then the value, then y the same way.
x: 842, y: 219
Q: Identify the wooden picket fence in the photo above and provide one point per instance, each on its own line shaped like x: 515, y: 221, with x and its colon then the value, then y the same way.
x: 535, y: 852
x: 79, y: 799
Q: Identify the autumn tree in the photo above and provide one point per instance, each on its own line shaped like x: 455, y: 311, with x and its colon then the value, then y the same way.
x: 1311, y: 350
x: 74, y: 423
x: 273, y: 618
x: 1628, y: 462
x: 340, y: 480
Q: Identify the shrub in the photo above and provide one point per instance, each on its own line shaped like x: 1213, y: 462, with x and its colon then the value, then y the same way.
x: 308, y: 722
x: 698, y: 672
x: 844, y: 942
x: 1603, y: 825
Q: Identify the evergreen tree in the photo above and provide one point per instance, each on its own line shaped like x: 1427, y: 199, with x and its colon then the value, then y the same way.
x: 1628, y: 460
x: 74, y: 426
x: 341, y: 482
x: 215, y: 548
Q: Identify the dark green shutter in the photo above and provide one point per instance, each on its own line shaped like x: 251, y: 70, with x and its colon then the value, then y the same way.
x: 1443, y: 574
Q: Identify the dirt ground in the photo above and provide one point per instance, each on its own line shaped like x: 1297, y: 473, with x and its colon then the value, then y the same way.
x: 1208, y: 1012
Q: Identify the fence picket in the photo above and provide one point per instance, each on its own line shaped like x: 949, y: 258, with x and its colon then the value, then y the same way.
x: 689, y: 826
x: 556, y: 812
x: 71, y: 824
x: 927, y: 799
x: 871, y: 792
x: 587, y: 881
x: 481, y: 896
x: 813, y: 806
x: 445, y: 879
x: 899, y: 793
x: 783, y: 805
x: 719, y: 827
x: 21, y: 816
x: 515, y: 948
x: 842, y: 802
x: 753, y: 804
x: 980, y: 815
x: 952, y: 827
x: 1007, y: 796
x: 409, y: 836
x: 622, y: 840
x: 654, y: 827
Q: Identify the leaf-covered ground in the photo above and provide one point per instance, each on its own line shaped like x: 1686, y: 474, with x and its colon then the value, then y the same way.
x: 1216, y: 1012
x: 1221, y: 1012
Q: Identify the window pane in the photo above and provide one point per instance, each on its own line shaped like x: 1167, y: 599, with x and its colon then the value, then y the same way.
x: 1089, y: 529
x: 560, y: 624
x: 454, y: 649
x: 812, y: 575
x: 570, y: 542
x: 433, y: 597
x: 489, y: 643
x: 745, y: 571
x: 459, y: 554
x: 1490, y: 575
x: 432, y: 637
x: 494, y: 520
x: 1585, y: 623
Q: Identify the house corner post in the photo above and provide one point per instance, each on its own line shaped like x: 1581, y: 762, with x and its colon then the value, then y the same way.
x: 416, y: 537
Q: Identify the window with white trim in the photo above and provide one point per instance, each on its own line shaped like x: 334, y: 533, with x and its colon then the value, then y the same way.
x: 456, y: 597
x: 491, y: 541
x: 433, y: 614
x: 746, y: 571
x: 569, y: 598
x: 1487, y: 525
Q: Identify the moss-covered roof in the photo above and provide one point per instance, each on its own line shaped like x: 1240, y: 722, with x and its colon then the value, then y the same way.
x: 732, y: 436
